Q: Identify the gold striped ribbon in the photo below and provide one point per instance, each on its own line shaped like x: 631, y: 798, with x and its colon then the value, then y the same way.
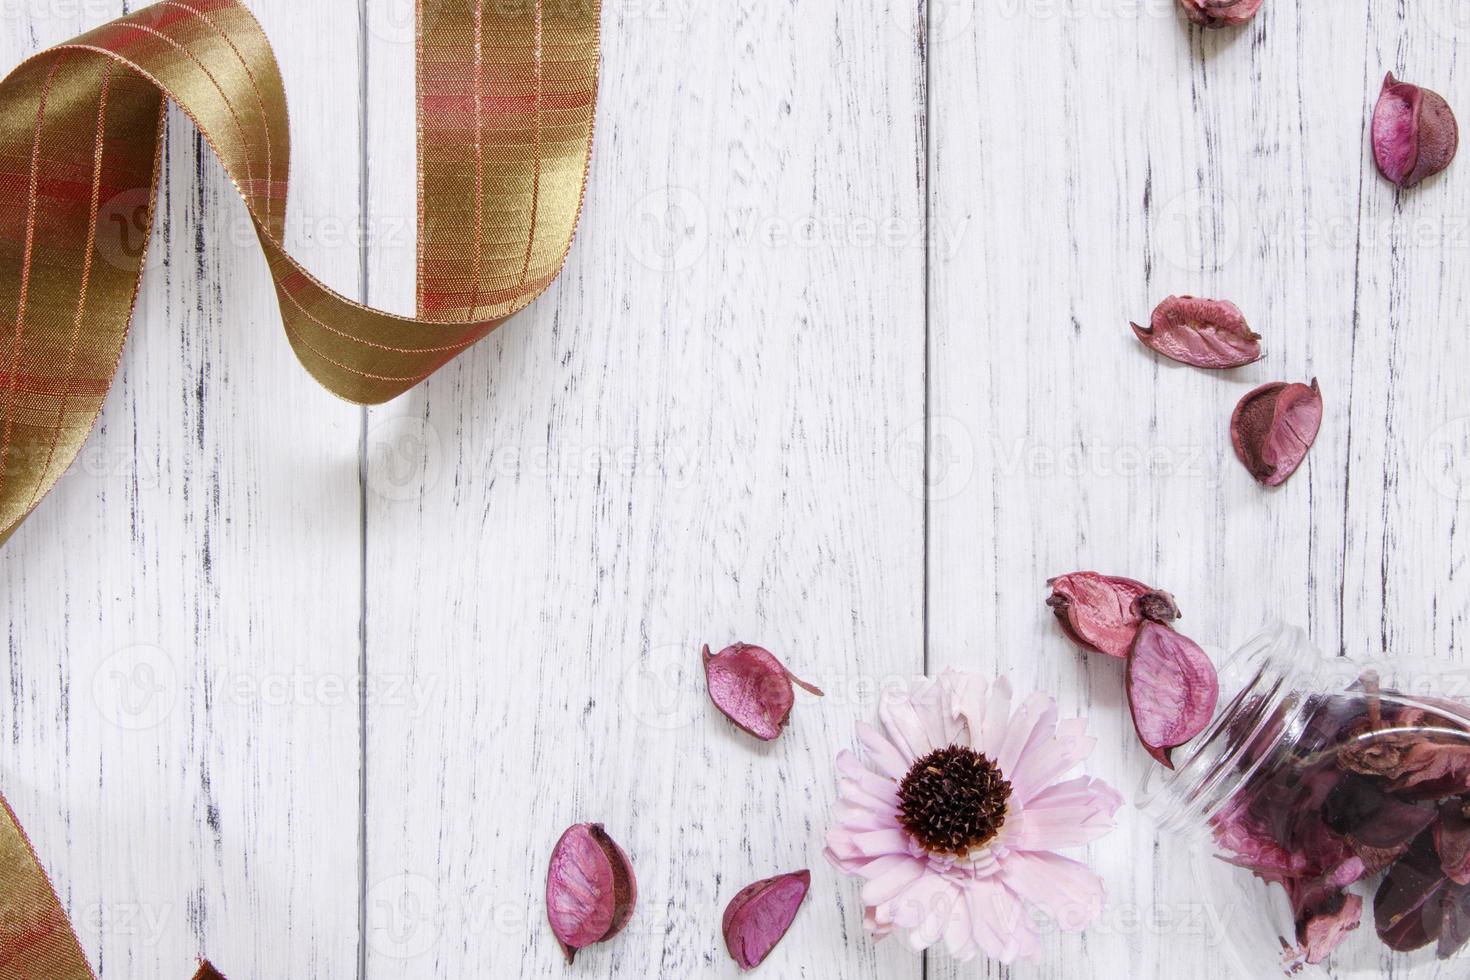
x: 506, y: 91
x: 505, y: 96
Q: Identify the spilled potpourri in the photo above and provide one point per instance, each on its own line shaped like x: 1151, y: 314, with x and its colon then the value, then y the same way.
x: 1172, y: 685
x: 1273, y: 427
x: 590, y: 888
x: 752, y: 688
x: 760, y: 914
x: 1415, y: 135
x: 1220, y: 13
x: 1205, y: 333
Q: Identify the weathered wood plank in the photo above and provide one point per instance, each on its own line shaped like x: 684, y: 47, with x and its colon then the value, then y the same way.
x: 182, y: 611
x: 687, y: 440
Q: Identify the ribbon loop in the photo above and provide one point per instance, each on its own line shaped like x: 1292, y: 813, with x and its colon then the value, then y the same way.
x: 505, y: 91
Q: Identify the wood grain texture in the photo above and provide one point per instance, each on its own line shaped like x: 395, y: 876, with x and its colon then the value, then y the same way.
x: 181, y: 609
x: 685, y: 441
x: 1118, y: 157
x: 839, y: 364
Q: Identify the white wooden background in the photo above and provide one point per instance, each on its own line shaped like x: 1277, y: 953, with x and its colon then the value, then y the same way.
x: 820, y: 236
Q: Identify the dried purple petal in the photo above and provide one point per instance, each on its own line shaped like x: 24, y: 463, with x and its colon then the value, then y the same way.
x: 1220, y: 13
x: 752, y: 688
x: 590, y: 888
x: 1407, y: 908
x: 1207, y: 333
x: 1454, y: 931
x: 1274, y: 426
x: 1396, y: 824
x: 1452, y: 840
x: 1422, y: 765
x: 1414, y: 132
x: 1103, y: 612
x: 757, y: 918
x: 1172, y: 689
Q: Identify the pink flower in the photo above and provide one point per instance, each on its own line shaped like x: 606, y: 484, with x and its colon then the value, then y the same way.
x: 954, y: 823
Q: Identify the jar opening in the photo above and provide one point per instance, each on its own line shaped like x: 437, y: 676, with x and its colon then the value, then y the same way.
x: 1266, y: 673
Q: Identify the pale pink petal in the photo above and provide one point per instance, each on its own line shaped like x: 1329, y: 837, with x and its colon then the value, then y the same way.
x: 890, y: 879
x: 1069, y: 814
x: 873, y: 785
x: 968, y: 704
x: 920, y: 901
x: 959, y: 934
x: 883, y: 753
x: 904, y: 726
x: 1001, y: 927
x: 876, y: 843
x: 1043, y: 764
x: 1036, y: 720
x: 956, y: 732
x: 876, y: 924
x: 1069, y: 891
x: 859, y: 818
x: 997, y: 719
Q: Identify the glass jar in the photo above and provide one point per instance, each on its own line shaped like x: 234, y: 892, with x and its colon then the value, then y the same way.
x: 1326, y: 809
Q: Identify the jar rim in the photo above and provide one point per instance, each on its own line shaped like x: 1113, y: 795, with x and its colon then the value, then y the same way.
x: 1266, y: 672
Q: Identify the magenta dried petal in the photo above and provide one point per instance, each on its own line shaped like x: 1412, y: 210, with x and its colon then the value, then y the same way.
x: 1206, y: 333
x: 1452, y: 840
x: 1274, y: 426
x: 752, y: 688
x: 1102, y: 612
x: 1220, y: 13
x: 1415, y: 134
x: 1172, y: 689
x: 759, y: 916
x: 590, y: 888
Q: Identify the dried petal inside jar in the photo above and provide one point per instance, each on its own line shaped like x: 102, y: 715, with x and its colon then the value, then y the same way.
x: 1206, y: 333
x: 1103, y: 612
x: 1273, y: 427
x: 1172, y: 689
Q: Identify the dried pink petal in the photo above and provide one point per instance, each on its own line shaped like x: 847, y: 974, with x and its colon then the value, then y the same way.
x: 1327, y: 928
x: 1172, y: 689
x: 752, y: 688
x: 1274, y: 426
x: 1207, y: 333
x: 759, y: 916
x: 590, y: 888
x: 1103, y: 612
x: 1220, y: 13
x: 1415, y: 134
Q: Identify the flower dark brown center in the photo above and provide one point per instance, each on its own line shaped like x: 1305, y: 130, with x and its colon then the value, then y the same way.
x: 953, y: 801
